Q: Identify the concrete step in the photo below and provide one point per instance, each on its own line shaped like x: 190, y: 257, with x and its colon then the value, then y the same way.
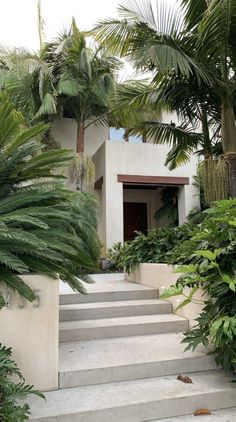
x: 96, y: 310
x: 222, y: 415
x: 121, y: 327
x: 134, y: 293
x: 126, y: 358
x: 136, y: 401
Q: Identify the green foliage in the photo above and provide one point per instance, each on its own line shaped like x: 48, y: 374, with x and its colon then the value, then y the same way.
x: 155, y: 247
x: 169, y: 209
x: 85, y: 76
x: 189, y: 51
x: 115, y: 255
x: 68, y: 75
x: 209, y: 260
x: 196, y: 216
x: 11, y: 391
x: 159, y: 38
x: 44, y: 227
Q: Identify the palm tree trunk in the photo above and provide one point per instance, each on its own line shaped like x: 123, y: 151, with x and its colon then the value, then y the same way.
x: 231, y: 159
x: 126, y: 136
x: 207, y: 149
x: 80, y: 138
x: 228, y: 128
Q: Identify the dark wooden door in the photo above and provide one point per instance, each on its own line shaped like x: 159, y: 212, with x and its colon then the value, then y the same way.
x: 135, y: 219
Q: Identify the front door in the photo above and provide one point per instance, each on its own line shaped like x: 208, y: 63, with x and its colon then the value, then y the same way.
x: 135, y: 219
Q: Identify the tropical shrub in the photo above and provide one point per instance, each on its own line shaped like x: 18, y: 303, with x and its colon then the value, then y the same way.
x: 11, y: 391
x: 155, y: 247
x: 44, y: 227
x: 116, y: 253
x: 208, y: 261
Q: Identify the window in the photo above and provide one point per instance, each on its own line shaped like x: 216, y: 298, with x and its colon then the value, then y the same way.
x: 118, y: 135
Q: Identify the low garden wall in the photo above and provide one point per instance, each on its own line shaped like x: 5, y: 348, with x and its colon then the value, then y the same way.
x: 161, y: 276
x: 31, y: 329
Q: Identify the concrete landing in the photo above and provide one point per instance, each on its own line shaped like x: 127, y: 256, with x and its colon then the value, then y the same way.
x: 107, y: 287
x: 105, y: 283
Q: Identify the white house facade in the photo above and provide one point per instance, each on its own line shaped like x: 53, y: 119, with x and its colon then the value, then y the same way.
x: 129, y: 180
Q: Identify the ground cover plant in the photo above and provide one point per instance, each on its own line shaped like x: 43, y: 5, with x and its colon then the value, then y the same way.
x: 13, y: 390
x: 154, y: 247
x: 208, y: 261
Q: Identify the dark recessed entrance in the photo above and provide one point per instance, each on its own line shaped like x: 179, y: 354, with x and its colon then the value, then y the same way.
x: 135, y: 219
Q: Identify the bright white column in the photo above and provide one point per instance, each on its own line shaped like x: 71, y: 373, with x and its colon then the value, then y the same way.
x: 114, y: 216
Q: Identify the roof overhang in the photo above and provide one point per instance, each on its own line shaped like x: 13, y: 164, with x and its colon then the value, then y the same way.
x: 130, y: 179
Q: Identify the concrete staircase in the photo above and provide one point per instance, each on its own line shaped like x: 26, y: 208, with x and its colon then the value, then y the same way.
x: 120, y: 354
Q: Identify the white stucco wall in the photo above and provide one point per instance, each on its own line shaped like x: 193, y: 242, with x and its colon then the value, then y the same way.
x: 138, y: 159
x: 65, y: 132
x: 32, y: 330
x: 119, y: 157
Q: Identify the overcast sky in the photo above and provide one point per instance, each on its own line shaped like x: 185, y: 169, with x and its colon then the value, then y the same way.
x: 18, y: 18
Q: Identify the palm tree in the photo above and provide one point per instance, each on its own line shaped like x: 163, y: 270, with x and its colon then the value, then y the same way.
x: 142, y: 105
x: 87, y: 79
x: 44, y: 228
x: 130, y: 105
x: 196, y: 42
x: 66, y: 76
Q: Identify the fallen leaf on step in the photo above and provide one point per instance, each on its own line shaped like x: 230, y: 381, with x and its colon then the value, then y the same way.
x: 200, y: 412
x: 185, y: 378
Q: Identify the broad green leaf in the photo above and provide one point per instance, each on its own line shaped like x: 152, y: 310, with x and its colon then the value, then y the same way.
x: 186, y: 269
x: 216, y: 326
x: 172, y: 291
x: 208, y: 254
x: 184, y: 303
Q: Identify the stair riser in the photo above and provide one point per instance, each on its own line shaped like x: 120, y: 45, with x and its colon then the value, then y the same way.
x: 148, y: 411
x: 109, y: 296
x: 112, y: 312
x: 123, y: 331
x: 139, y: 371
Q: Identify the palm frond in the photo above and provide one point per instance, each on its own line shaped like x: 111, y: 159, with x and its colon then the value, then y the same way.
x: 162, y: 18
x: 193, y: 12
x: 150, y: 40
x: 48, y: 106
x: 183, y: 140
x: 44, y: 227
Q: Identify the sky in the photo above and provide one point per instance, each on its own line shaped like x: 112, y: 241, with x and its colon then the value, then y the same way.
x: 18, y: 18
